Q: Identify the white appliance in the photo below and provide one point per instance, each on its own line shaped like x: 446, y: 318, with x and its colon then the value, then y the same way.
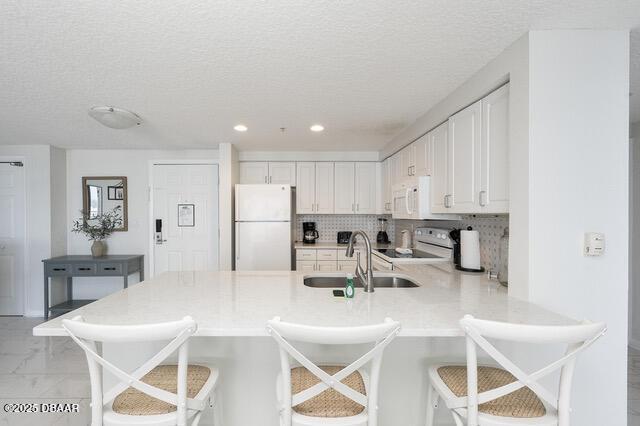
x: 432, y: 246
x: 411, y: 200
x: 263, y: 227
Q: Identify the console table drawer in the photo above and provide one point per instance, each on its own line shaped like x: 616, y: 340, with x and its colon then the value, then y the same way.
x: 58, y: 270
x: 110, y: 269
x: 84, y: 269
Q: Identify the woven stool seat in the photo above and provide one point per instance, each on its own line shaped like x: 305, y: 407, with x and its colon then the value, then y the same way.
x: 135, y: 403
x: 522, y: 403
x: 329, y: 403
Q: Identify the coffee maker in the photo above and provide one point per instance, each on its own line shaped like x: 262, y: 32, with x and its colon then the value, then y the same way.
x: 309, y: 233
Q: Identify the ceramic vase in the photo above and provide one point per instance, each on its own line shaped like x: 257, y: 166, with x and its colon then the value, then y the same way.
x: 98, y: 249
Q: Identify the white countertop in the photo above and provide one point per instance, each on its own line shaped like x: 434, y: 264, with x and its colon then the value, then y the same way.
x: 333, y: 245
x: 240, y: 303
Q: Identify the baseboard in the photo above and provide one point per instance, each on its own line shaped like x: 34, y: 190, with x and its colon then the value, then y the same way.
x: 33, y: 314
x: 634, y: 343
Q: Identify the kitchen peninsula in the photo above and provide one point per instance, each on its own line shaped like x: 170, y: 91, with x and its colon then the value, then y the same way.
x: 232, y: 308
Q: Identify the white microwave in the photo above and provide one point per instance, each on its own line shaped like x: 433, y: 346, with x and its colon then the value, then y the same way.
x: 411, y: 200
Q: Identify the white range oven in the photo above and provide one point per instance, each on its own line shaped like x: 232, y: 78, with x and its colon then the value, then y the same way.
x: 432, y: 246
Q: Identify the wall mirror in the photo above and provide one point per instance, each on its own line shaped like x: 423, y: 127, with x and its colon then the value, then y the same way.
x: 101, y: 194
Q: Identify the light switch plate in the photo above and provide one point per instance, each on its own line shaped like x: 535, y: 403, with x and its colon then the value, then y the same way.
x: 594, y: 244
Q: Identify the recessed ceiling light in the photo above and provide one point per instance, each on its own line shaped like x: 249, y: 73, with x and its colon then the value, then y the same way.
x: 317, y: 128
x: 240, y: 128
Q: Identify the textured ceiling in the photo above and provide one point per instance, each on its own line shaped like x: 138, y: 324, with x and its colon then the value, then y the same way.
x: 192, y: 70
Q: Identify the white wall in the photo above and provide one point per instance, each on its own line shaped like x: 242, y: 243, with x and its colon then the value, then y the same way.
x: 134, y: 164
x: 634, y: 241
x: 42, y: 164
x: 229, y: 176
x: 579, y: 129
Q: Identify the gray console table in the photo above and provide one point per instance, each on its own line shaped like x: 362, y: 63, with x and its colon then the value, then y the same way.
x: 87, y: 266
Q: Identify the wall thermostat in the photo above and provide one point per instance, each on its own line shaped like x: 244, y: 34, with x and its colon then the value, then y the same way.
x: 593, y: 244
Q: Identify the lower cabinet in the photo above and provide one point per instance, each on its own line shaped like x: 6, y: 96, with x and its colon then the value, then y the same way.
x: 347, y: 266
x: 324, y: 260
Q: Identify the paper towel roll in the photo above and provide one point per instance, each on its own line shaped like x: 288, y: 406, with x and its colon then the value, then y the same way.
x: 470, y: 249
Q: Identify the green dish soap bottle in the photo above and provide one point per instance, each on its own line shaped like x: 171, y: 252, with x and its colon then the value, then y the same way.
x: 349, y: 288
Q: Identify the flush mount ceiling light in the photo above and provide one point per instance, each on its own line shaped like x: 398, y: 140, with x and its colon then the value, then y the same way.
x: 317, y: 128
x: 115, y: 118
x: 240, y: 128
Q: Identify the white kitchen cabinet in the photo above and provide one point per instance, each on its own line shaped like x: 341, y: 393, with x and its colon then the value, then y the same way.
x: 268, y: 172
x: 470, y: 158
x: 386, y: 185
x: 439, y: 147
x: 493, y: 195
x: 327, y: 266
x: 282, y: 172
x: 306, y: 187
x: 465, y: 133
x: 324, y: 188
x: 254, y: 172
x: 344, y: 188
x: 365, y: 188
x: 407, y: 161
x: 396, y: 169
x: 347, y: 266
x: 306, y: 265
x: 421, y: 157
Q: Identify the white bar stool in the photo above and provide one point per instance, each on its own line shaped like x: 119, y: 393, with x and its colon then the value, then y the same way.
x: 153, y: 394
x: 508, y: 396
x: 334, y: 395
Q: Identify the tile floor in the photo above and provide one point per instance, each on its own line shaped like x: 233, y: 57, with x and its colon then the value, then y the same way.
x: 41, y: 370
x: 54, y: 370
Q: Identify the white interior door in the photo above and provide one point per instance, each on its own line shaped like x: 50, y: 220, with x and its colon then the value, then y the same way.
x: 12, y: 239
x: 185, y: 199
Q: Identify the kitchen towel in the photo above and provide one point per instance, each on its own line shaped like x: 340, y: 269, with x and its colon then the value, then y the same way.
x: 470, y: 249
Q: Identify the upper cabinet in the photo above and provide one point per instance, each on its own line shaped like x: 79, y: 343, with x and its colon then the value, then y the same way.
x: 494, y: 152
x: 422, y: 157
x: 344, y: 188
x: 387, y: 183
x: 470, y: 158
x: 314, y: 192
x: 282, y: 173
x: 324, y: 188
x: 268, y: 172
x: 439, y: 147
x: 306, y: 188
x: 254, y: 172
x: 465, y: 131
x: 407, y: 161
x: 365, y: 188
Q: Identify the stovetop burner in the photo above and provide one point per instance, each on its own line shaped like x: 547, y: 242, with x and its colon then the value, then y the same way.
x: 392, y: 253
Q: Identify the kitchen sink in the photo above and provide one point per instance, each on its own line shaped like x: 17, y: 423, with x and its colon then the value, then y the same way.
x: 379, y: 281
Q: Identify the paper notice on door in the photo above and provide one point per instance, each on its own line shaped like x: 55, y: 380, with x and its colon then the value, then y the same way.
x: 186, y: 215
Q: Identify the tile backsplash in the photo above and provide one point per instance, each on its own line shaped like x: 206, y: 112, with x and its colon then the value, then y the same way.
x: 329, y: 225
x: 490, y: 228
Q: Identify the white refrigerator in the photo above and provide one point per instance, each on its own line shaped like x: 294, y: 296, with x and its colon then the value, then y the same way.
x: 263, y: 227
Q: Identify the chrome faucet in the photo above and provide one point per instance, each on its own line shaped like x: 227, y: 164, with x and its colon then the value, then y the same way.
x: 365, y: 277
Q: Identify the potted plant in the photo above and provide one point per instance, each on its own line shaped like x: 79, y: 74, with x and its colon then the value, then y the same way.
x: 98, y: 228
